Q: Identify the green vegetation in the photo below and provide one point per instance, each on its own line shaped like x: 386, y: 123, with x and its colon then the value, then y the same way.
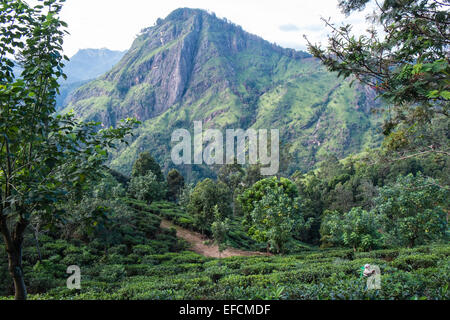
x: 128, y: 256
x: 272, y: 213
x: 419, y: 273
x: 147, y: 188
x: 44, y: 159
x: 407, y: 64
x: 356, y: 228
x: 302, y: 234
x: 237, y: 81
x: 175, y: 183
x: 146, y: 164
x: 413, y: 210
x: 207, y: 200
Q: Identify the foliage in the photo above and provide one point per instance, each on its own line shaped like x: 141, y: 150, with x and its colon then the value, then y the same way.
x: 185, y: 195
x: 251, y: 196
x: 219, y: 229
x: 144, y: 164
x: 206, y: 195
x: 43, y: 157
x: 357, y: 229
x: 147, y: 187
x: 413, y: 210
x: 275, y: 217
x: 175, y: 183
x: 232, y: 175
x: 340, y: 185
x: 407, y: 65
x: 420, y: 273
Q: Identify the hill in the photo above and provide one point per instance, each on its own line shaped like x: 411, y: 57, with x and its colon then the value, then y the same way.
x: 86, y: 65
x: 194, y: 66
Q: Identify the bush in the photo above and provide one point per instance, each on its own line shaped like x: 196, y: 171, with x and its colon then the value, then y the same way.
x: 147, y: 188
x: 357, y: 229
x: 413, y: 210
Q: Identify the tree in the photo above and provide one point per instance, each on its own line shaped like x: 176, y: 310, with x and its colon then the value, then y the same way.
x: 144, y: 164
x: 407, y: 65
x: 413, y: 210
x: 275, y: 217
x: 185, y: 195
x: 219, y: 229
x: 205, y: 196
x: 147, y: 188
x: 356, y: 228
x: 252, y: 175
x: 255, y: 193
x: 175, y: 183
x: 43, y: 157
x: 232, y: 175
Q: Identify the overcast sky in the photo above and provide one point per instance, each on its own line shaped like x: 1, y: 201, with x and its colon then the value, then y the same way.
x: 113, y: 24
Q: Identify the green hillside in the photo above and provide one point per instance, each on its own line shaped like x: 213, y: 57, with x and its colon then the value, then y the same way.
x: 194, y: 66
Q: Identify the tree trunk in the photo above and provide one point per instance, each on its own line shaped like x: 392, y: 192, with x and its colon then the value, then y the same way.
x: 16, y: 272
x: 14, y: 243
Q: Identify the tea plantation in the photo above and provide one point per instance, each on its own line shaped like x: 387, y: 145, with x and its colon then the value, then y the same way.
x: 160, y: 267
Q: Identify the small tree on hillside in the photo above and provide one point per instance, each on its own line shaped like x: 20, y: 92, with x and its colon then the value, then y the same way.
x: 206, y: 195
x: 413, y: 210
x: 275, y: 218
x: 356, y: 228
x: 255, y: 193
x: 175, y: 183
x: 147, y: 188
x: 145, y: 163
x: 232, y: 175
x: 219, y: 229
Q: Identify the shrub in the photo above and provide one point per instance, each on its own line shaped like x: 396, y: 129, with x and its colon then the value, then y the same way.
x: 412, y: 210
x: 357, y: 229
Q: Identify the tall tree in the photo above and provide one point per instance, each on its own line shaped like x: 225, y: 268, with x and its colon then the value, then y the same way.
x: 413, y: 210
x: 206, y: 195
x: 276, y: 218
x: 145, y: 163
x: 175, y: 183
x: 43, y: 157
x: 407, y: 64
x: 232, y: 175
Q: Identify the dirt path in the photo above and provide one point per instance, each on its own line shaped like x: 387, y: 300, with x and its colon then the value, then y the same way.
x: 196, y: 240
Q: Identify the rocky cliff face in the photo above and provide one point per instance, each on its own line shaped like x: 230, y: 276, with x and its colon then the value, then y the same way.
x: 194, y: 66
x: 186, y: 54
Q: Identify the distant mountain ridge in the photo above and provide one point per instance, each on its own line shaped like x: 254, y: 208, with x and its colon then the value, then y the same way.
x: 89, y: 64
x: 86, y: 65
x: 195, y: 66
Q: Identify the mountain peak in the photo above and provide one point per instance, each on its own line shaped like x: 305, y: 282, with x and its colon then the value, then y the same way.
x: 184, y: 14
x: 194, y: 66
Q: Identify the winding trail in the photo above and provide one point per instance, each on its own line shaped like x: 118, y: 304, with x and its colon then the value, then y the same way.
x: 197, y: 244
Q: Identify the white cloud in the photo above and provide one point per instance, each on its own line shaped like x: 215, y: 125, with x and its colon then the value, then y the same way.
x: 114, y: 24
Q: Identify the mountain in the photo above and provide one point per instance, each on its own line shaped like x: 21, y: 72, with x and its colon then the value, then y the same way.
x: 89, y: 64
x: 194, y: 66
x: 86, y: 65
